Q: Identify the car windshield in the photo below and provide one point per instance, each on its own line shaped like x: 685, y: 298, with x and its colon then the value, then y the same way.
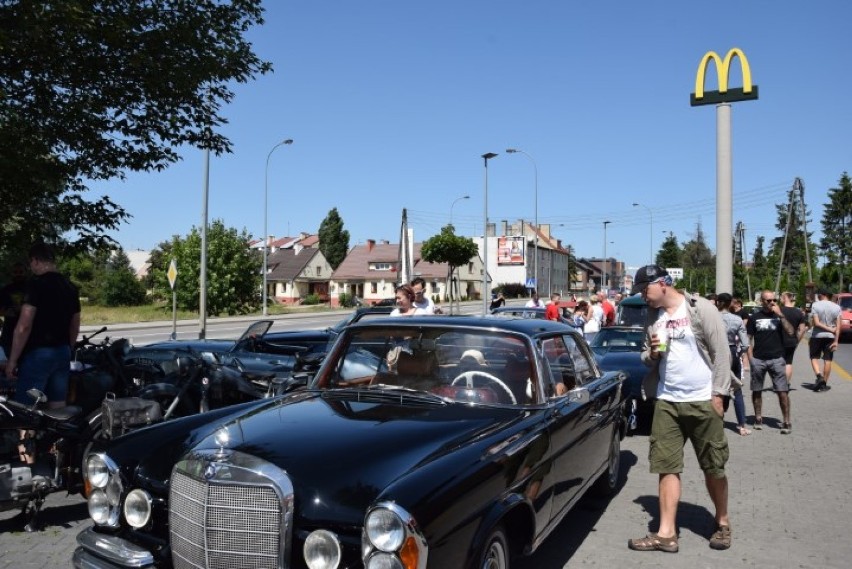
x: 846, y: 302
x: 519, y: 313
x: 470, y: 365
x: 622, y: 340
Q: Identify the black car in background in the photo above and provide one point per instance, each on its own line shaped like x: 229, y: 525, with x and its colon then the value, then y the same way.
x: 619, y: 348
x: 526, y: 312
x: 428, y: 442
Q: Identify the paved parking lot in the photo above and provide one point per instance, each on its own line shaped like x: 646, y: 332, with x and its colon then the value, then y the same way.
x: 790, y: 500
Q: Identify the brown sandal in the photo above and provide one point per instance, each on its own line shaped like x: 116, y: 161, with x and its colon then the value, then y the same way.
x: 653, y: 542
x: 721, y: 539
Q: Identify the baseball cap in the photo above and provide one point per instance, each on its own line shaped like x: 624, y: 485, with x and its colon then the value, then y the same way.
x: 647, y: 275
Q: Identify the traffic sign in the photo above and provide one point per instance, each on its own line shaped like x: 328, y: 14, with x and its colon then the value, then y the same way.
x: 172, y: 274
x: 531, y: 282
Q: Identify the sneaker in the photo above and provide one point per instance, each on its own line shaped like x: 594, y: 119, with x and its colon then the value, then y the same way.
x: 786, y: 428
x: 825, y: 386
x: 819, y: 385
x: 758, y: 424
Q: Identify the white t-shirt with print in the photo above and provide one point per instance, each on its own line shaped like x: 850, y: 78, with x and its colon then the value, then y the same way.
x: 684, y: 377
x: 427, y: 305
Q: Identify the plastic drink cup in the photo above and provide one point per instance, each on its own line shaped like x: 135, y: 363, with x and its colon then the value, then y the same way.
x: 663, y: 337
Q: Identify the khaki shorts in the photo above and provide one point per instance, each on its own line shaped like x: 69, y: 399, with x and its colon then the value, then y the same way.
x: 674, y: 424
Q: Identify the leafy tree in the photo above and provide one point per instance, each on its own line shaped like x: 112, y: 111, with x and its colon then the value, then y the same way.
x: 86, y: 271
x: 119, y: 286
x: 447, y: 247
x: 233, y: 271
x: 669, y: 254
x: 333, y: 239
x: 92, y: 90
x: 836, y: 243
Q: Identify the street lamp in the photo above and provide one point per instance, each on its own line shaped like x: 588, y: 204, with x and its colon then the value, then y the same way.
x: 485, y: 157
x: 535, y: 237
x: 651, y: 215
x: 265, y: 218
x: 453, y: 205
x: 603, y: 277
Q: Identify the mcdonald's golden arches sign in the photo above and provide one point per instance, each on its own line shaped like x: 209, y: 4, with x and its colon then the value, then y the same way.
x: 724, y: 94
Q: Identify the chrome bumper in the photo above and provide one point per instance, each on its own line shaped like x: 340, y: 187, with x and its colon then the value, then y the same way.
x: 99, y: 551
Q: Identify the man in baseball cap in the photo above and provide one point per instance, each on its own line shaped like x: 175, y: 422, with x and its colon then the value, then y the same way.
x: 686, y: 348
x: 647, y: 275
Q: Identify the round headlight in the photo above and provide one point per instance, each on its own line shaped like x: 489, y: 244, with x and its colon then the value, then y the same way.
x: 385, y: 530
x: 384, y: 561
x: 322, y: 550
x: 137, y: 508
x: 99, y: 507
x: 97, y: 471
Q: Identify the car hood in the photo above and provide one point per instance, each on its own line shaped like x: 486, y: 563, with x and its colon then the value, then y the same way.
x: 217, y: 346
x: 342, y: 452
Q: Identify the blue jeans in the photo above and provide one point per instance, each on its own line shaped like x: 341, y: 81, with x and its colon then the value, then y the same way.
x: 739, y: 402
x: 46, y: 369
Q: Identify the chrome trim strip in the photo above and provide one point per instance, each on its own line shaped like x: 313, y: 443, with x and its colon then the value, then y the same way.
x: 114, y: 549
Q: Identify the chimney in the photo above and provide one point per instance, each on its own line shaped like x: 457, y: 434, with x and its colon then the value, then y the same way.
x: 297, y: 248
x: 269, y: 241
x: 370, y: 244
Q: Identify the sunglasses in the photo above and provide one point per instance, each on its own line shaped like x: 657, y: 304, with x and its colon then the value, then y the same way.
x: 770, y: 300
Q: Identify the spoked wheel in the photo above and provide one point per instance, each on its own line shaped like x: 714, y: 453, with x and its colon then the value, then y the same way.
x: 495, y: 554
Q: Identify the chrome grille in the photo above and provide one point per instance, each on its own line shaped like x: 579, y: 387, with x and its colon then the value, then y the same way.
x: 229, y: 514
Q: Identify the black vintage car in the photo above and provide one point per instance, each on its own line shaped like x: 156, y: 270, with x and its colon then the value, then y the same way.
x: 423, y: 442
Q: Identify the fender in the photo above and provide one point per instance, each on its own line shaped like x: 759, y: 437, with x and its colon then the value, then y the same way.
x: 516, y: 513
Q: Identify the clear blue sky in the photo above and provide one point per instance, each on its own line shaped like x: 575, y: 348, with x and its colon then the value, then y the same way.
x: 391, y: 104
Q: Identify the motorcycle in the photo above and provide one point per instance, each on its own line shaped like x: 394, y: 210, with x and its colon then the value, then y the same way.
x: 57, y: 437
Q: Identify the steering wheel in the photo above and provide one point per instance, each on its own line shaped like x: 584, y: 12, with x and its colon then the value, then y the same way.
x: 467, y: 378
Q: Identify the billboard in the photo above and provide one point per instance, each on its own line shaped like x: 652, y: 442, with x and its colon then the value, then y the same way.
x: 510, y: 250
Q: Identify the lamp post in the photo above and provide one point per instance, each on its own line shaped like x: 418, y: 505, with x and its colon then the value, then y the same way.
x: 485, y: 157
x: 535, y: 188
x: 453, y: 205
x: 651, y: 216
x: 603, y: 277
x: 265, y: 218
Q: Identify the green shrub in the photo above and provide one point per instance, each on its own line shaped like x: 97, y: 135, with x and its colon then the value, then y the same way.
x: 512, y: 290
x: 312, y: 299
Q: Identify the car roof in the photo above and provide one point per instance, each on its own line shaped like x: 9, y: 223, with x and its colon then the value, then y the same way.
x: 635, y: 300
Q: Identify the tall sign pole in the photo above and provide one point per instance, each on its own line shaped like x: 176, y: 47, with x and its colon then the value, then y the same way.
x: 724, y: 155
x: 172, y: 274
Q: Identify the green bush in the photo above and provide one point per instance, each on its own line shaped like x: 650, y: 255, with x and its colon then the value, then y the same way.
x: 347, y: 300
x: 312, y: 299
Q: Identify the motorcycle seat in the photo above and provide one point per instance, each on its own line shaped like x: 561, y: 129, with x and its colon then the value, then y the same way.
x: 63, y: 413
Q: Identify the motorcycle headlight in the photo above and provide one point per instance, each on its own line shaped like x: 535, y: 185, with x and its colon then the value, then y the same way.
x: 97, y: 471
x: 381, y: 560
x: 385, y: 530
x: 322, y: 550
x: 137, y: 508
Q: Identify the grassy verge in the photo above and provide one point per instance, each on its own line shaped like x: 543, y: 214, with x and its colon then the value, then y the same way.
x: 92, y: 315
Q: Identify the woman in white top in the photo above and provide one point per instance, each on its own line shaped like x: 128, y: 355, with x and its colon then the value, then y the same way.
x: 405, y: 302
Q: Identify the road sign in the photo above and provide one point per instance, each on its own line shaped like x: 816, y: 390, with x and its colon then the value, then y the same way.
x: 531, y: 282
x: 172, y: 274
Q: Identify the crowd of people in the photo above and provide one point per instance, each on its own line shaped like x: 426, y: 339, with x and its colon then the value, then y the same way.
x: 699, y: 352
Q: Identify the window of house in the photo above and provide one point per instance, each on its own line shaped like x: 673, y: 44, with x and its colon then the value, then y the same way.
x: 319, y: 270
x: 470, y: 267
x: 374, y: 288
x: 381, y: 267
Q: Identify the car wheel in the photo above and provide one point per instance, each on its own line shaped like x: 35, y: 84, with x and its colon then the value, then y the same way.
x: 495, y: 554
x: 607, y: 484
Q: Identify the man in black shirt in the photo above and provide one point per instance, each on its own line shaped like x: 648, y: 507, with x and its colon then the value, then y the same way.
x: 46, y: 331
x: 766, y: 330
x: 797, y: 319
